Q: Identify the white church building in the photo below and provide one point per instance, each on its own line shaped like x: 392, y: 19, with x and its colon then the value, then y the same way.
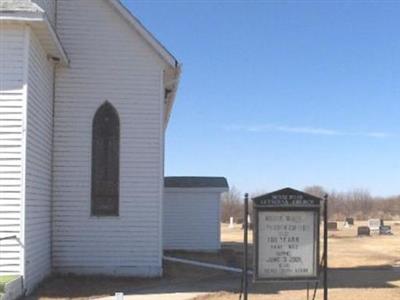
x: 86, y: 93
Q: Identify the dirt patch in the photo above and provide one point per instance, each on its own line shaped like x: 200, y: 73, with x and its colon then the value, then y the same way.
x: 87, y: 287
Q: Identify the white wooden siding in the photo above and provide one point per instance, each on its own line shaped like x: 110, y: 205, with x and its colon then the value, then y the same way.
x: 38, y: 165
x: 191, y: 219
x: 49, y: 6
x: 12, y: 104
x: 108, y: 61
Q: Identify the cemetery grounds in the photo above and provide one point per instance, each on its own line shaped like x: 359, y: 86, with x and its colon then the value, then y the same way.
x: 361, y: 268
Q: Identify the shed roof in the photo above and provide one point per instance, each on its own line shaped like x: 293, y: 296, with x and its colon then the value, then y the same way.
x: 195, y: 182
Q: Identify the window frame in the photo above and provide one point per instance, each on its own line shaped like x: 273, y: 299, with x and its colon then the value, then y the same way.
x: 105, y: 109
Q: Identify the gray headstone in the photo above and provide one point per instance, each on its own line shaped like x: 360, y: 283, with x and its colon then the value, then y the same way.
x: 332, y: 226
x: 385, y: 230
x: 363, y: 231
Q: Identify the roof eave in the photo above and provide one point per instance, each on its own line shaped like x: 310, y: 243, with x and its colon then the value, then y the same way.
x: 40, y: 24
x: 170, y: 100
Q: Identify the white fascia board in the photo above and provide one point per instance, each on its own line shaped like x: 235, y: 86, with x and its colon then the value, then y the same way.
x: 172, y: 84
x: 44, y: 30
x: 57, y: 43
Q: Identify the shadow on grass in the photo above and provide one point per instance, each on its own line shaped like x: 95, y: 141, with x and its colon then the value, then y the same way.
x: 179, y: 278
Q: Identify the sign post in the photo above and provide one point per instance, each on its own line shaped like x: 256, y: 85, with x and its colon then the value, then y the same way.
x: 286, y: 237
x: 325, y: 247
x: 245, y: 256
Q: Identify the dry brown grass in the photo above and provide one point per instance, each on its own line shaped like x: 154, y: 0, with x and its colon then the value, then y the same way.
x: 361, y: 268
x: 345, y: 248
x: 335, y: 294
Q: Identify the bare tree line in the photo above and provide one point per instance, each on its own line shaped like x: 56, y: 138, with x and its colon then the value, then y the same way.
x: 232, y: 205
x: 356, y: 203
x: 359, y: 204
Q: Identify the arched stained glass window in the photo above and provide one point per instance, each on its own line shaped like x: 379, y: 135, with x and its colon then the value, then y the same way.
x: 105, y: 162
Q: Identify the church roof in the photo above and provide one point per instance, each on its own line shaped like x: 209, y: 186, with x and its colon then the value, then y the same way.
x: 157, y: 46
x: 173, y: 74
x: 29, y: 12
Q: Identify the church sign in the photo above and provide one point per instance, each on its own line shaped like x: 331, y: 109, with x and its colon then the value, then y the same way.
x: 286, y: 236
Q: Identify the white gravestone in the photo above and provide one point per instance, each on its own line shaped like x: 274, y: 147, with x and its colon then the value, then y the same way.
x: 119, y: 296
x: 374, y: 225
x: 231, y: 222
x: 286, y: 244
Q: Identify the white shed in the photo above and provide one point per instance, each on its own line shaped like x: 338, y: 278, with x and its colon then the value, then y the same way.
x: 192, y: 213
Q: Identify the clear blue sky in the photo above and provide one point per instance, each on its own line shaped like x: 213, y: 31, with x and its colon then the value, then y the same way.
x: 283, y: 94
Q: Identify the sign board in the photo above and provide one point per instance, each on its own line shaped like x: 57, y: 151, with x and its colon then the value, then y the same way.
x: 286, y: 236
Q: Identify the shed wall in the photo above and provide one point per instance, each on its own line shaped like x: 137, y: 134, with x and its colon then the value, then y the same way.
x: 108, y: 61
x: 191, y: 219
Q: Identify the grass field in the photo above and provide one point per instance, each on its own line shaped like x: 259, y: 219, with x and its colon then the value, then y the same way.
x: 4, y: 280
x: 365, y: 268
x: 345, y: 248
